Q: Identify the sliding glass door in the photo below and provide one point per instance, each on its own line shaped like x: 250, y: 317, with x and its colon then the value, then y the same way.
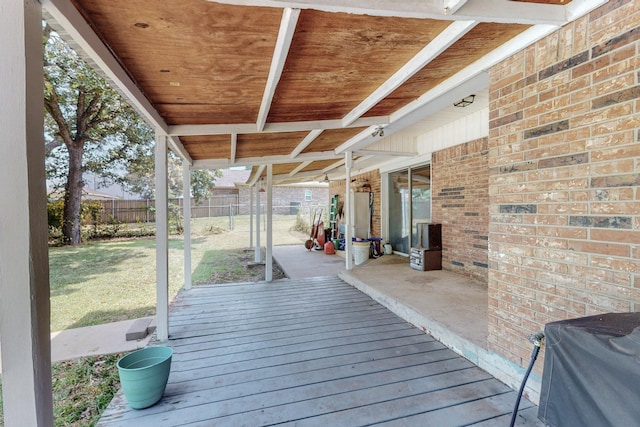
x: 420, y: 199
x: 409, y: 204
x: 399, y: 214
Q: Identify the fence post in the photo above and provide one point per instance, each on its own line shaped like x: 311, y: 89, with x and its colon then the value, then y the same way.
x: 209, y: 199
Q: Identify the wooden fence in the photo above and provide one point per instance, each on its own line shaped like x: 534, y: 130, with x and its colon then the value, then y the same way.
x: 134, y: 211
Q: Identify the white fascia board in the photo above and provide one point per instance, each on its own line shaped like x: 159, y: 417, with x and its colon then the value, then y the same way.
x: 503, y: 11
x: 250, y: 128
x: 281, y: 51
x: 439, y: 44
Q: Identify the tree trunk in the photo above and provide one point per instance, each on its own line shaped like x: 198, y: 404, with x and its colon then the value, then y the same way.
x: 73, y: 197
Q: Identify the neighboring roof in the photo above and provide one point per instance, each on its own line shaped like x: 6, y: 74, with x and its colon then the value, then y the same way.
x: 298, y: 83
x: 87, y: 194
x: 231, y: 177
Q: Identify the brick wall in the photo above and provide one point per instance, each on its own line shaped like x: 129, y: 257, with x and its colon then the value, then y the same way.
x: 460, y: 201
x: 564, y: 166
x: 373, y: 179
x: 283, y: 196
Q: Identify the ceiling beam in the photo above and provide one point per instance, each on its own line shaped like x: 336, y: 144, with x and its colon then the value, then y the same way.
x: 249, y: 128
x: 442, y: 42
x: 311, y: 136
x: 503, y: 11
x: 299, y: 168
x: 87, y: 43
x: 257, y: 161
x: 234, y: 146
x: 256, y: 177
x: 528, y: 12
x: 459, y: 85
x: 386, y: 153
x: 333, y: 166
x: 283, y: 43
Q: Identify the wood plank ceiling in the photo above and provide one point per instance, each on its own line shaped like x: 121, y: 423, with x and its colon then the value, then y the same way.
x: 273, y: 81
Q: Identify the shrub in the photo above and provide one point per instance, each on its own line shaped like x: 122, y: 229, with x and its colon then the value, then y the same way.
x: 300, y: 224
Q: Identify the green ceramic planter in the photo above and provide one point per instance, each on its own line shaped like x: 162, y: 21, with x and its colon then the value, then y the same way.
x: 144, y: 374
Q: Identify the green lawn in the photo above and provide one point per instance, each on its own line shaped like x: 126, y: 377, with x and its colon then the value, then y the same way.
x: 107, y: 281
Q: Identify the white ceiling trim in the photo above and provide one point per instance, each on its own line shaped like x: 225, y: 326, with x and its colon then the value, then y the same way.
x: 250, y: 128
x: 503, y: 11
x: 283, y: 43
x: 67, y: 17
x: 299, y: 168
x: 439, y: 44
x: 311, y: 136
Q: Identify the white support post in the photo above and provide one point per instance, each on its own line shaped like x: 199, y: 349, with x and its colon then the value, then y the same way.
x: 186, y: 214
x: 258, y: 249
x: 162, y: 239
x: 348, y: 229
x: 250, y: 217
x: 24, y: 264
x: 268, y: 268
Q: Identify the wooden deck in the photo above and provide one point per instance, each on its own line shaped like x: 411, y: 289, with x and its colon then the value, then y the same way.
x: 312, y: 352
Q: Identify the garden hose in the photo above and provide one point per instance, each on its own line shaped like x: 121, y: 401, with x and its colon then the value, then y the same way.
x: 536, y: 340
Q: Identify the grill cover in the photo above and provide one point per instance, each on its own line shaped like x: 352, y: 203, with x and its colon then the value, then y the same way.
x: 591, y: 372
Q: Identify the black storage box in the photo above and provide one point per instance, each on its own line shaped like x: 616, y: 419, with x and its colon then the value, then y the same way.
x: 592, y: 372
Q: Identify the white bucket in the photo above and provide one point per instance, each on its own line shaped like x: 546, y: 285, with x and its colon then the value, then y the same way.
x: 360, y: 252
x: 388, y: 249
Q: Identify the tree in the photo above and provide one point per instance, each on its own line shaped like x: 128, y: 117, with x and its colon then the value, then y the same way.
x: 88, y: 127
x: 140, y: 179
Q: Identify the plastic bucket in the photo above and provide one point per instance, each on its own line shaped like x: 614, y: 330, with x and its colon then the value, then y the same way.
x: 144, y: 374
x: 360, y: 252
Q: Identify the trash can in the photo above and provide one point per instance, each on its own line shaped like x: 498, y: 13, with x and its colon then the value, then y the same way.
x: 360, y: 252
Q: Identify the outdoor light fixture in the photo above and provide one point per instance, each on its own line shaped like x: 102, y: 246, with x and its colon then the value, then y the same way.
x: 379, y: 131
x: 464, y: 102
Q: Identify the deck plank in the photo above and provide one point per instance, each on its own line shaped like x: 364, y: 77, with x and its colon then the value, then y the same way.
x: 309, y: 352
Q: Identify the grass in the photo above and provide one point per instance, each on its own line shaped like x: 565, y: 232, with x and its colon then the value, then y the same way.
x: 83, y: 388
x: 107, y: 281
